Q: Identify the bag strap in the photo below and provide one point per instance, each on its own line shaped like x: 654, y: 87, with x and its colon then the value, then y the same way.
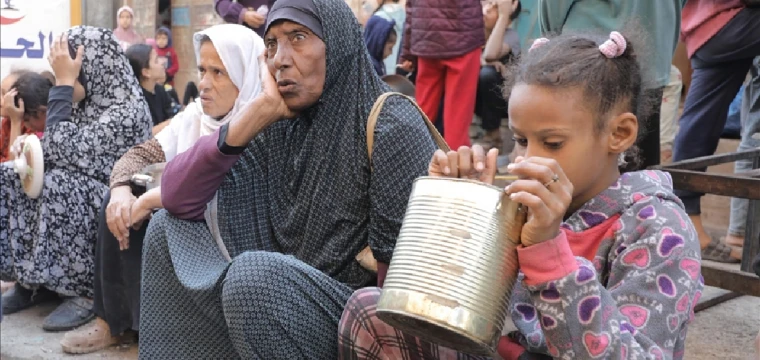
x: 375, y: 113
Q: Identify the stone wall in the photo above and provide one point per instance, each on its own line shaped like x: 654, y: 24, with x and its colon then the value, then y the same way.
x: 100, y: 13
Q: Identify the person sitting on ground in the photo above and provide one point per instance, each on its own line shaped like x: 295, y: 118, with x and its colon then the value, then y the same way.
x: 149, y: 72
x: 95, y: 113
x: 609, y: 263
x: 380, y: 37
x: 293, y: 199
x: 502, y: 45
x: 233, y: 51
x: 26, y: 94
x: 31, y: 92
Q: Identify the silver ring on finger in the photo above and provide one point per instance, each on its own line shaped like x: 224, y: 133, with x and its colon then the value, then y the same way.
x: 554, y: 179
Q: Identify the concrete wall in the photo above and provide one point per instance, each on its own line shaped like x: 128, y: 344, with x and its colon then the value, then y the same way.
x: 100, y: 13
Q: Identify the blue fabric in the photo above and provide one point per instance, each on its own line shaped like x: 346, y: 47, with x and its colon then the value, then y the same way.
x: 168, y: 33
x: 376, y: 33
x: 733, y: 126
x: 59, y: 105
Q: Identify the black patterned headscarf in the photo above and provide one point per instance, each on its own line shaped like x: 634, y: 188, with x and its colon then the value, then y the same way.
x: 113, y: 117
x: 304, y: 186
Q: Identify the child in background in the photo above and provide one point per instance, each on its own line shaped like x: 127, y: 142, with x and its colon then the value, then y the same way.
x: 166, y: 53
x: 392, y: 10
x: 379, y: 37
x: 11, y: 115
x: 610, y: 264
x: 400, y: 84
x: 125, y: 32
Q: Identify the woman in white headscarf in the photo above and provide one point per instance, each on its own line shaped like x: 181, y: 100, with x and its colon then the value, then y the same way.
x: 227, y: 57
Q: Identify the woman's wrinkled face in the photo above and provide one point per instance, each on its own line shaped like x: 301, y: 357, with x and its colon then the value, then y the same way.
x: 125, y: 20
x: 217, y: 91
x: 5, y: 86
x: 296, y: 58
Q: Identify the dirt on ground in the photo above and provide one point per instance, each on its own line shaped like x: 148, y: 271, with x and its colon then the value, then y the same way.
x: 726, y: 331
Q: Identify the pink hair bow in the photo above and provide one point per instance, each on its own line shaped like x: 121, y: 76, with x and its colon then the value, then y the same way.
x: 538, y: 43
x: 613, y: 47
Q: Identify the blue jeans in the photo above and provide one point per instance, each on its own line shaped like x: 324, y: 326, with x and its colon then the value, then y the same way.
x: 720, y: 67
x: 750, y: 117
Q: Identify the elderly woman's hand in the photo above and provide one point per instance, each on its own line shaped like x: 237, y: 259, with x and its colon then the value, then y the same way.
x: 118, y: 212
x: 65, y: 68
x: 467, y: 163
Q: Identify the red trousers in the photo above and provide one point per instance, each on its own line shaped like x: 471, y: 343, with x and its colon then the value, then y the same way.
x: 459, y: 76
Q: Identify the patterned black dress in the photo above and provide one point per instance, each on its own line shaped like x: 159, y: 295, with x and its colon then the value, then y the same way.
x: 50, y: 241
x: 293, y: 211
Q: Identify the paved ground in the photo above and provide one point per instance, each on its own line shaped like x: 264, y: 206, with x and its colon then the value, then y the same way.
x: 724, y: 332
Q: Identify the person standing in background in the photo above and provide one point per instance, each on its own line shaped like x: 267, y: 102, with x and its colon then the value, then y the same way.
x: 722, y: 38
x: 125, y: 31
x: 392, y: 10
x: 446, y: 53
x: 659, y: 20
x: 166, y: 54
x: 251, y: 13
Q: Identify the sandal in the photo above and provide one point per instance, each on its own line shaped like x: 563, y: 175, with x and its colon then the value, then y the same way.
x: 74, y: 312
x: 724, y: 239
x: 718, y: 251
x: 89, y: 338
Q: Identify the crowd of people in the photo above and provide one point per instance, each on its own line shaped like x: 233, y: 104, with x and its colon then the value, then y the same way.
x: 254, y: 244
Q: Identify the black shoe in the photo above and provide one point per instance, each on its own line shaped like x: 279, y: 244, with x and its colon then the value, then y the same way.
x: 19, y: 298
x: 73, y: 313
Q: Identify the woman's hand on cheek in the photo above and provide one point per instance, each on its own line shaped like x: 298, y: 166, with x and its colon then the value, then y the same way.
x: 546, y: 191
x: 466, y: 163
x: 65, y: 68
x: 270, y: 100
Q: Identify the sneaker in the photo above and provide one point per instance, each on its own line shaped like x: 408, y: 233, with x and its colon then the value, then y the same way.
x: 89, y: 338
x: 19, y: 298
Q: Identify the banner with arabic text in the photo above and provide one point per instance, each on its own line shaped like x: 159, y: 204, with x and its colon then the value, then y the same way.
x: 27, y: 28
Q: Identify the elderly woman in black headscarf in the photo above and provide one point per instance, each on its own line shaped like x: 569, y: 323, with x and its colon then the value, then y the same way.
x: 296, y: 199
